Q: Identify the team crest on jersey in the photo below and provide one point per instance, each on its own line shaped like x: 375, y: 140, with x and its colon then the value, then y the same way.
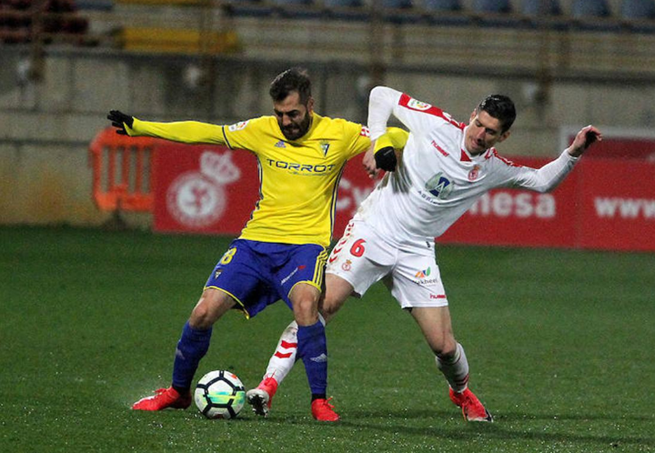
x: 474, y: 173
x: 238, y: 126
x: 439, y: 186
x: 418, y: 105
x: 365, y: 132
x: 325, y: 146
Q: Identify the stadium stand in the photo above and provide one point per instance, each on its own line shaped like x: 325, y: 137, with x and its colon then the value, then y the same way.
x: 22, y: 21
x: 148, y: 39
x: 70, y: 20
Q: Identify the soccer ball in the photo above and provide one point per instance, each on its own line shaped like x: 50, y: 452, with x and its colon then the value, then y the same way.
x: 219, y: 394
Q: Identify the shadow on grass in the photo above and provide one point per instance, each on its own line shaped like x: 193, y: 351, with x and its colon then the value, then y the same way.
x: 385, y: 421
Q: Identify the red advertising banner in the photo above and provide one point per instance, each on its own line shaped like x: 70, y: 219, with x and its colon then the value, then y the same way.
x: 617, y: 209
x: 603, y: 204
x: 520, y: 217
x: 203, y: 189
x: 624, y: 148
x: 213, y: 190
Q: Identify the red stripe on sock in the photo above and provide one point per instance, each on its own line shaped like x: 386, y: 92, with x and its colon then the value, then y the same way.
x: 463, y: 381
x: 283, y: 356
x: 288, y: 345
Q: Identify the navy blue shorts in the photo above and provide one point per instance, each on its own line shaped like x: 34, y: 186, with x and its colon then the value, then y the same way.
x: 257, y: 274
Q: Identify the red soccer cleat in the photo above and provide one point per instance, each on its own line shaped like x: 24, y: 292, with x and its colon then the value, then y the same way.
x: 261, y: 398
x: 323, y: 411
x: 162, y: 399
x: 472, y: 408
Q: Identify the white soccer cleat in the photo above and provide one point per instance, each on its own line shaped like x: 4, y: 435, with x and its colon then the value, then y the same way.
x: 260, y: 398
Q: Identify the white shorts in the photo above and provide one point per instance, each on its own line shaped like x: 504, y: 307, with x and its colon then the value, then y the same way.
x: 362, y: 258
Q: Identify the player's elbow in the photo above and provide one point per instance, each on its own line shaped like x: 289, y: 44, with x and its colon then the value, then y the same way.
x: 545, y: 187
x: 378, y: 92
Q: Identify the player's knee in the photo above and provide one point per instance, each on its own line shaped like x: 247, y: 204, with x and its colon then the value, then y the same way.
x: 305, y: 311
x: 201, y: 318
x: 446, y: 350
x: 209, y: 308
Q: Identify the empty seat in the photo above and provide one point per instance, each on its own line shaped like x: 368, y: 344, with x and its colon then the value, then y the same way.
x: 95, y: 5
x: 247, y: 8
x: 543, y: 11
x: 589, y: 9
x: 536, y: 8
x: 399, y: 4
x: 343, y: 3
x: 492, y: 6
x: 296, y: 8
x: 399, y: 11
x: 638, y: 13
x: 291, y: 2
x: 638, y: 9
x: 491, y: 13
x: 346, y: 9
x: 588, y: 12
x: 444, y: 12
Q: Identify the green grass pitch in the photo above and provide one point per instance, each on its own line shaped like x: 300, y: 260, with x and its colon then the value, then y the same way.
x: 561, y: 346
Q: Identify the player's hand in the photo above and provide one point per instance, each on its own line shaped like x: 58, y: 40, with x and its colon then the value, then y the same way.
x: 584, y: 139
x: 119, y: 120
x: 385, y: 159
x: 369, y: 162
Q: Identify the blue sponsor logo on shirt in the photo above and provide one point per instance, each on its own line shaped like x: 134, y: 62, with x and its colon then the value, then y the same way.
x: 439, y: 186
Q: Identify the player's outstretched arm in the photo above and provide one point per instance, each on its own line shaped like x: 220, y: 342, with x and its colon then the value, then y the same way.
x: 583, y: 140
x: 180, y: 131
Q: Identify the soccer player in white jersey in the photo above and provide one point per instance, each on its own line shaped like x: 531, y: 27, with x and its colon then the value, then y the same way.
x: 445, y: 167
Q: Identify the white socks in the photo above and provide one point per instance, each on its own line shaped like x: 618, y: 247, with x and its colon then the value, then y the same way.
x: 455, y: 370
x: 284, y: 358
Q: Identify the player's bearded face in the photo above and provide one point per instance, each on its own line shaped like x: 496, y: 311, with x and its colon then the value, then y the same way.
x: 293, y: 117
x: 483, y: 132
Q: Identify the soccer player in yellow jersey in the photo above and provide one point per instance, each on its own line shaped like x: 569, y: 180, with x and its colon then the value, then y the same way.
x: 281, y: 252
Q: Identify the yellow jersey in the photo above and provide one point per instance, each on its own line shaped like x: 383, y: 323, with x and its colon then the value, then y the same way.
x: 299, y: 178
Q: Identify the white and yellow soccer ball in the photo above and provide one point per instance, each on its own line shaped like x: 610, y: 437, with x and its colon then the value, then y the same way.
x: 220, y: 394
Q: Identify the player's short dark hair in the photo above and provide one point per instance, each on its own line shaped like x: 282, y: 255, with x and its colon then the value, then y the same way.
x: 294, y: 79
x: 500, y: 107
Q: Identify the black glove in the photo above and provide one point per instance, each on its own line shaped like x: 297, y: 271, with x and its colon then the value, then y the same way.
x: 119, y: 120
x: 590, y: 137
x: 385, y: 159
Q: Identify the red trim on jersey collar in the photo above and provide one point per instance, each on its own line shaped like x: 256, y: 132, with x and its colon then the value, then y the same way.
x: 464, y: 157
x: 427, y: 108
x: 493, y: 153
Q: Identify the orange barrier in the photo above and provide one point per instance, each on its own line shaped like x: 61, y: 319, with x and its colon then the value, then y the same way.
x: 122, y: 170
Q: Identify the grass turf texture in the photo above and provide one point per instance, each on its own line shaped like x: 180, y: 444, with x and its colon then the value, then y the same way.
x: 560, y: 345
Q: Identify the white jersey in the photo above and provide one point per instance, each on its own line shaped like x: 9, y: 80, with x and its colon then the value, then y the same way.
x: 437, y: 180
